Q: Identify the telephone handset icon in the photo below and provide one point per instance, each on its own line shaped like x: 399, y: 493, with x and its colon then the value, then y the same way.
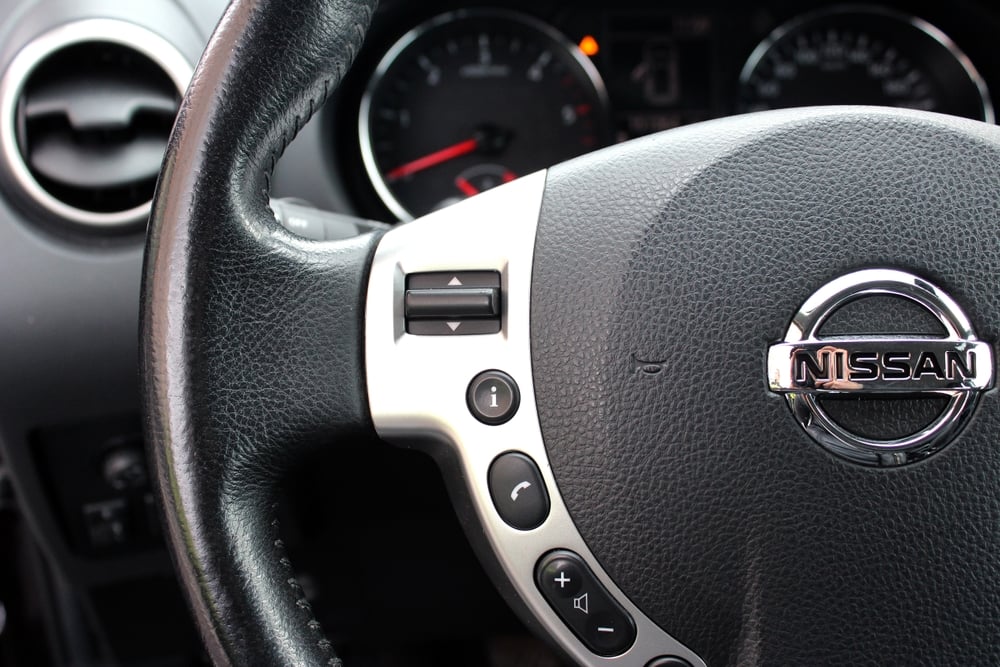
x: 518, y: 489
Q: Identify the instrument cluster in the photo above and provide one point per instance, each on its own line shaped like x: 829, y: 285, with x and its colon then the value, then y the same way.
x: 448, y: 103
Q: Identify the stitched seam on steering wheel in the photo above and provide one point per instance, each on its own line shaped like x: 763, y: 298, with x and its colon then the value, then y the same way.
x: 317, y: 101
x: 301, y: 601
x: 300, y: 121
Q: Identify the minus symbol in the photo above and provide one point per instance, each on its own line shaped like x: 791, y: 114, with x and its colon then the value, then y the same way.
x: 602, y: 629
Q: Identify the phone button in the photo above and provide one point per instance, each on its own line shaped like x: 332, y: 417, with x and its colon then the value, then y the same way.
x: 518, y: 491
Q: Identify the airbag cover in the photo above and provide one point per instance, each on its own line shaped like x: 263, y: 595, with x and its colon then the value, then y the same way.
x: 663, y: 270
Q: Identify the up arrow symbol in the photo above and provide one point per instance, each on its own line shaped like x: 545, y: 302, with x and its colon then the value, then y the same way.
x: 455, y: 282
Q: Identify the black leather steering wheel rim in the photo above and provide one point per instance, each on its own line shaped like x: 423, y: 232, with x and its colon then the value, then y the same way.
x: 226, y: 421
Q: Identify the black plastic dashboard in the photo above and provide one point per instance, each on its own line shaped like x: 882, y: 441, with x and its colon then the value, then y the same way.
x: 69, y: 282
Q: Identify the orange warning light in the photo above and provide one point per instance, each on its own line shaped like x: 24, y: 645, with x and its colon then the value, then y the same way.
x: 589, y: 45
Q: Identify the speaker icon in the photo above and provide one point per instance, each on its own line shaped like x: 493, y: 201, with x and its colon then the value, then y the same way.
x: 582, y: 603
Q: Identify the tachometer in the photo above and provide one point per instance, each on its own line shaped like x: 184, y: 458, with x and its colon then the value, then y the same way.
x: 471, y: 100
x: 863, y: 56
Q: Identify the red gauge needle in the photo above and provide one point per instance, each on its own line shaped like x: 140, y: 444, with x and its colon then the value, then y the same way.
x: 467, y: 188
x: 432, y: 159
x: 470, y: 190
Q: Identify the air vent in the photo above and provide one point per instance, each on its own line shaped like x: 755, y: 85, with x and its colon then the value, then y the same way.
x: 88, y: 111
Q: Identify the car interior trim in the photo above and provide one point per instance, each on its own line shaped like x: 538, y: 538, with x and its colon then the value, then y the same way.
x: 161, y: 51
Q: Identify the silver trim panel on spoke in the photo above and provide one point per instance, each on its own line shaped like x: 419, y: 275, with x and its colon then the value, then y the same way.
x: 417, y: 391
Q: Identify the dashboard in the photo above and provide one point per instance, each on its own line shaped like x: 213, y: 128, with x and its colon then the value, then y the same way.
x: 446, y: 99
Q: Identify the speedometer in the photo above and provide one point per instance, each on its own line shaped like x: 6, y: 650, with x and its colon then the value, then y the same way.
x: 471, y: 100
x: 863, y: 56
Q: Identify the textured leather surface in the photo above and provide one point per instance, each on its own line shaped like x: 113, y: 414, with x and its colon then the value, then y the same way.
x: 695, y: 487
x: 251, y: 339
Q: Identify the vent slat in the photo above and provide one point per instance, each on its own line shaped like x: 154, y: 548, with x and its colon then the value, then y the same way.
x: 57, y: 157
x: 99, y: 102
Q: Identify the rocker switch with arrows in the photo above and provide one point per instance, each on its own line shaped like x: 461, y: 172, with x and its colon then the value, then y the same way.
x: 455, y: 303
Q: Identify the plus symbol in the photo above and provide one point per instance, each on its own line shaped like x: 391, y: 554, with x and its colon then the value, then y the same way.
x: 562, y: 580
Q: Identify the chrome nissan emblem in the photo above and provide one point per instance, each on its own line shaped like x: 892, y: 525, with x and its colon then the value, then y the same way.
x: 804, y: 367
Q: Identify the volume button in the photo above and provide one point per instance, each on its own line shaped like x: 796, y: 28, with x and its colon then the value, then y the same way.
x: 584, y: 604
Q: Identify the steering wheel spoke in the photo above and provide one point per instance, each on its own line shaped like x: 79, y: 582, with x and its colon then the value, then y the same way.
x: 422, y: 394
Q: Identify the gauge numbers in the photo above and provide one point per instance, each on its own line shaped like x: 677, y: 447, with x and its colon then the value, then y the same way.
x: 863, y: 56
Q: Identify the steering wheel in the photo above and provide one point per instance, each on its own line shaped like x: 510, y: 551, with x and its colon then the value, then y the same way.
x: 719, y: 396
